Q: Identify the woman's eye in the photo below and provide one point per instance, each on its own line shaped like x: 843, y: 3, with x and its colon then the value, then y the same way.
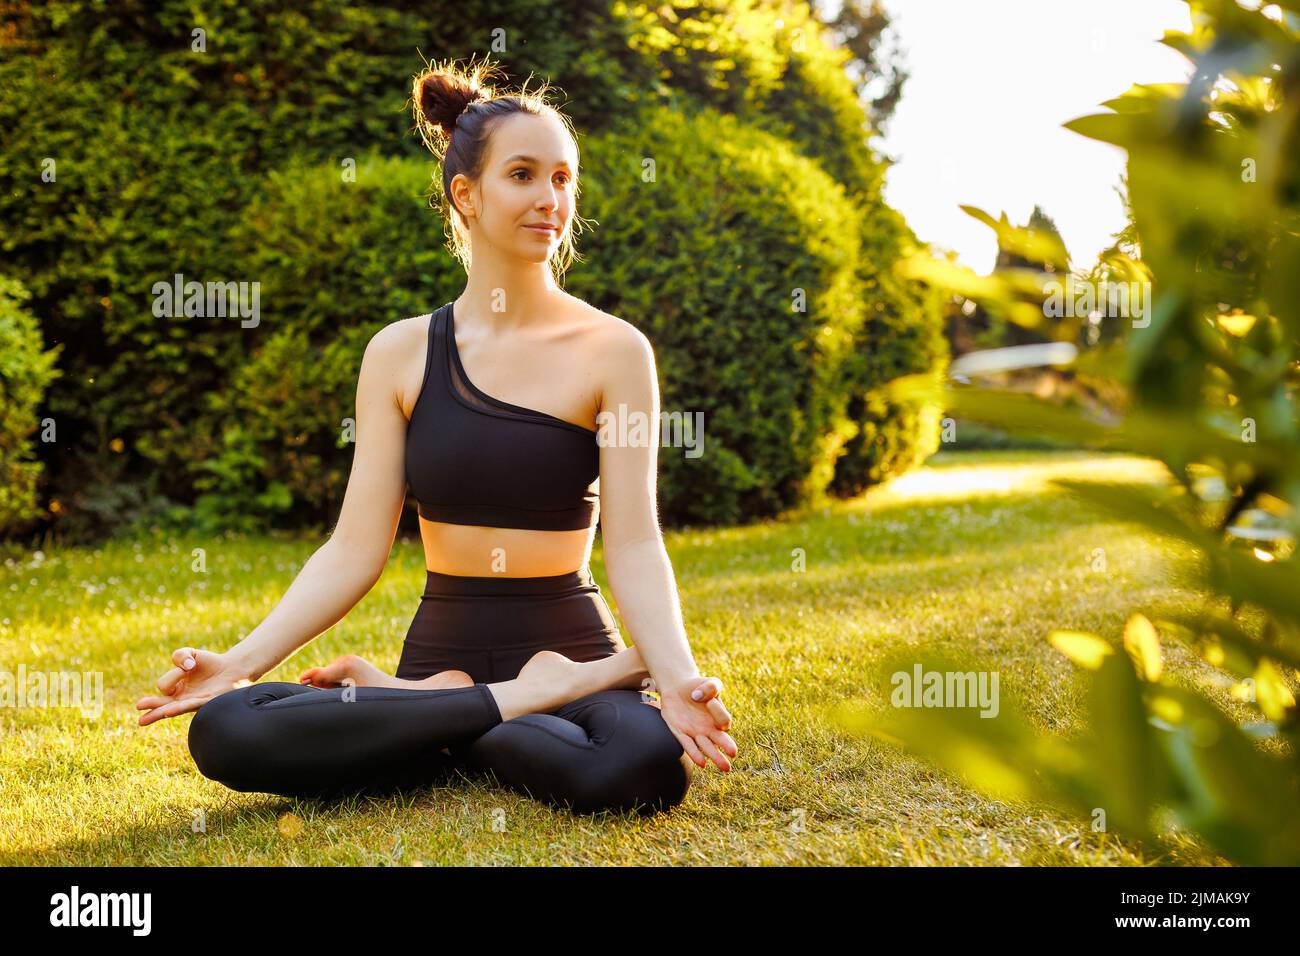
x: 564, y: 180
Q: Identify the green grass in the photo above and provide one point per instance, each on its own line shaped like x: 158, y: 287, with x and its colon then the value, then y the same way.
x: 976, y: 551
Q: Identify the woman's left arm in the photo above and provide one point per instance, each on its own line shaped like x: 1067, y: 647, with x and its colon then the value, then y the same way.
x: 640, y: 572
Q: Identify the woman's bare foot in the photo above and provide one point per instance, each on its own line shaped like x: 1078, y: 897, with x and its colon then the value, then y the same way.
x: 549, y: 680
x: 438, y: 681
x: 361, y: 673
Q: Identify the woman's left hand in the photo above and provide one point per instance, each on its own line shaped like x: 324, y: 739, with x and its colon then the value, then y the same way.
x: 700, y: 726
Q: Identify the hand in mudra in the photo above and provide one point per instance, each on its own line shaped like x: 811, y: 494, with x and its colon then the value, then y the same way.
x: 700, y: 726
x: 198, y: 676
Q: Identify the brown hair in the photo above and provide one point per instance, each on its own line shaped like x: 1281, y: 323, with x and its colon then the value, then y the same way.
x: 456, y: 112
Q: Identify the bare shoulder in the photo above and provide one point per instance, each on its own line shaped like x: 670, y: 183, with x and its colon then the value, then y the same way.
x: 396, y: 355
x: 611, y: 339
x: 618, y: 355
x: 396, y: 337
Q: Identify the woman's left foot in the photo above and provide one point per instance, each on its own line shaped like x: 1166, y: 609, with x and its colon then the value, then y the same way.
x: 346, y: 669
x: 552, y: 673
x: 359, y: 672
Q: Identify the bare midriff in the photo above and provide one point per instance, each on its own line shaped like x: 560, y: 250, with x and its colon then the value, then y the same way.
x: 477, y: 551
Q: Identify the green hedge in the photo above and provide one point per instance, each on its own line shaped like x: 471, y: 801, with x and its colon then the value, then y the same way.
x: 26, y: 369
x: 753, y: 221
x: 337, y: 261
x: 162, y: 154
x: 705, y: 261
x: 771, y: 66
x: 903, y: 335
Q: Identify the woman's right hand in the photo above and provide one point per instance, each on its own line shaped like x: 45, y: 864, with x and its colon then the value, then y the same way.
x: 186, y: 688
x: 709, y: 690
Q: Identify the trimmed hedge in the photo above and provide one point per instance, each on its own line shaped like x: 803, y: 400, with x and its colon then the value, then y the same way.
x: 752, y: 221
x: 26, y: 369
x: 162, y: 155
x: 903, y: 335
x: 771, y: 66
x: 337, y: 261
x: 705, y: 260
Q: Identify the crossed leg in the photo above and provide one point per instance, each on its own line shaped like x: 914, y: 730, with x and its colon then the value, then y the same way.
x: 570, y: 734
x: 605, y: 751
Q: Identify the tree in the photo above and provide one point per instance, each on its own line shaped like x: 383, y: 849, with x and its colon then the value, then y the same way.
x: 862, y: 26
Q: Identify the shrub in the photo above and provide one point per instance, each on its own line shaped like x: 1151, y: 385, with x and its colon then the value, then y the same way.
x: 1213, y: 374
x: 270, y: 447
x: 158, y: 151
x: 26, y: 369
x: 706, y: 258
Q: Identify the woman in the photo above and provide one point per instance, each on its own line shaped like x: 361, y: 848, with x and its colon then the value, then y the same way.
x: 513, y: 662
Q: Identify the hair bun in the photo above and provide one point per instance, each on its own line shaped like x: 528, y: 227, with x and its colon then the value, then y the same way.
x: 442, y: 95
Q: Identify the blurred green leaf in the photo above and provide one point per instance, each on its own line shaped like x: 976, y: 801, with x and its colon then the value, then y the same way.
x: 1121, y: 747
x: 1240, y: 799
x: 1031, y: 244
x: 1087, y: 650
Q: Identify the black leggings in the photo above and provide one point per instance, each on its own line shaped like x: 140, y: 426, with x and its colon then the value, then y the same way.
x: 606, y: 751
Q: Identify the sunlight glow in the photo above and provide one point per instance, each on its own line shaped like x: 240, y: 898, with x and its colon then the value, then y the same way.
x: 980, y: 118
x: 934, y: 483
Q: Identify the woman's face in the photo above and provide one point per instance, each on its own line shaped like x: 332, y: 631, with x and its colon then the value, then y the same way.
x: 528, y: 178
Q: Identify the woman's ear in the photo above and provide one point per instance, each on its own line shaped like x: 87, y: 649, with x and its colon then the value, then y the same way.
x: 462, y: 195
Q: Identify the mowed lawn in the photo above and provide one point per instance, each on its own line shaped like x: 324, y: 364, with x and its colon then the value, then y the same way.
x: 975, y: 552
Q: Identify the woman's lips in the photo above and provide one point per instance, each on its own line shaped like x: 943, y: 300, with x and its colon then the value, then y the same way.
x: 545, y: 230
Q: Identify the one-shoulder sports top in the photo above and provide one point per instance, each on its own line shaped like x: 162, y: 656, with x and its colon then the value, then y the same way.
x: 474, y: 459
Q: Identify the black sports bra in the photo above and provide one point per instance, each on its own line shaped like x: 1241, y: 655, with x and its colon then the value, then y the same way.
x: 474, y: 459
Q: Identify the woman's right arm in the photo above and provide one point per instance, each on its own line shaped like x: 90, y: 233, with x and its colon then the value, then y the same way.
x: 342, y: 570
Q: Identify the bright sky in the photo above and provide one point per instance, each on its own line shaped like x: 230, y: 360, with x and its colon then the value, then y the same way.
x: 980, y: 118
